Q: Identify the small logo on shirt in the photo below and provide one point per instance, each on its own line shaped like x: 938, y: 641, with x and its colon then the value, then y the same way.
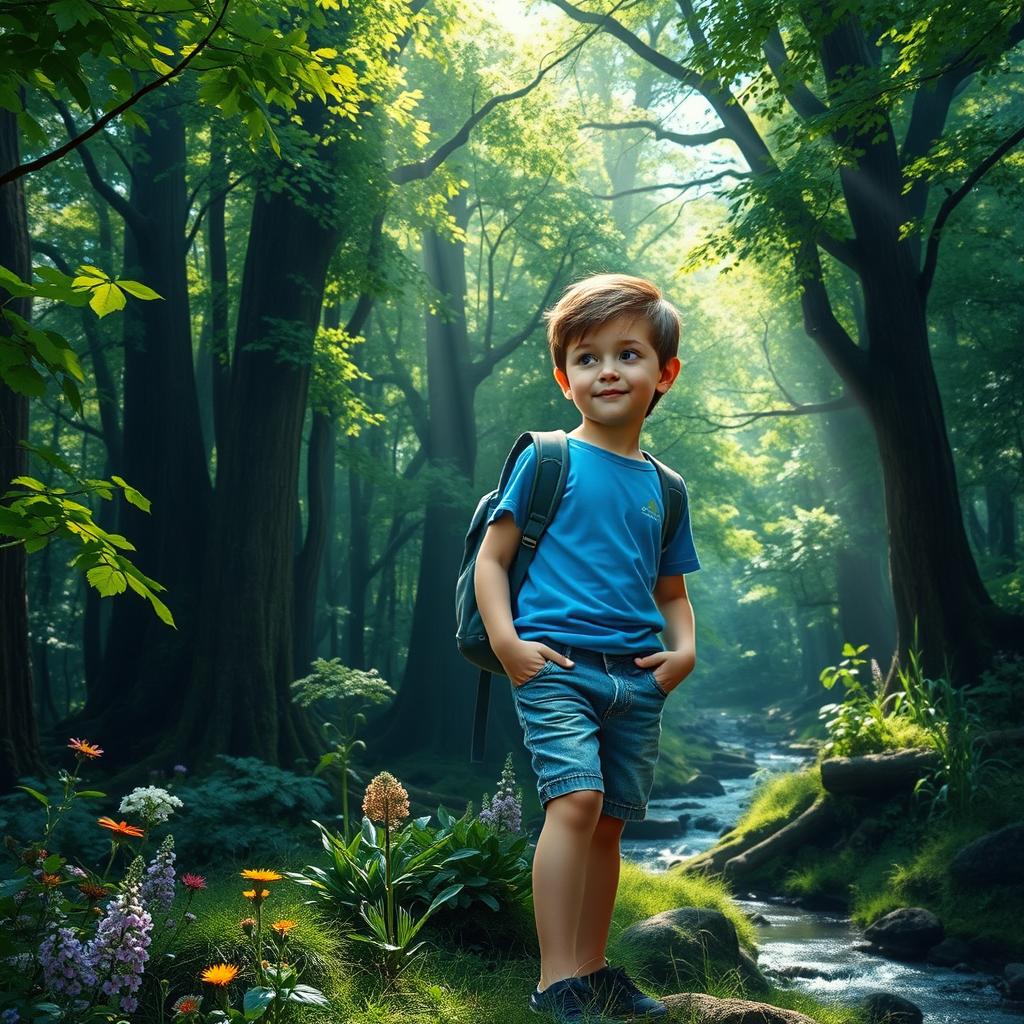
x: 651, y: 510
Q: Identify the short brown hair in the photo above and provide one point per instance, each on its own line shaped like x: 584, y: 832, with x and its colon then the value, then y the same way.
x: 592, y: 302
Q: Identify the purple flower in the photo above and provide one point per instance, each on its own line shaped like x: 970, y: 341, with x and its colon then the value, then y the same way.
x: 158, y: 887
x: 10, y: 1016
x: 505, y: 810
x: 120, y: 950
x: 180, y: 769
x: 65, y: 963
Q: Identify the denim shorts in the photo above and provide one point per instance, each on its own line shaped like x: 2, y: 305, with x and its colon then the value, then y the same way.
x: 593, y: 726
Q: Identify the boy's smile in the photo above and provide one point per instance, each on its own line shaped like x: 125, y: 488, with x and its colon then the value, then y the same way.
x: 611, y: 375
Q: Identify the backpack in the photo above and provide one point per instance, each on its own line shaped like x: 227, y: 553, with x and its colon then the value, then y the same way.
x: 552, y: 451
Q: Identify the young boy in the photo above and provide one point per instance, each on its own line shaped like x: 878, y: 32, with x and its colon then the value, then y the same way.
x: 589, y: 674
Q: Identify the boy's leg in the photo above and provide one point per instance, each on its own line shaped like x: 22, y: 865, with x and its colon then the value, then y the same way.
x: 602, y: 883
x: 559, y: 875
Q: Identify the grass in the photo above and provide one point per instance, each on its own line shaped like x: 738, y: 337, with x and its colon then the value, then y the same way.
x: 455, y: 982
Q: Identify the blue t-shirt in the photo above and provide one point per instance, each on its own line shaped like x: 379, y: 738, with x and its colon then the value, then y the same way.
x: 592, y: 577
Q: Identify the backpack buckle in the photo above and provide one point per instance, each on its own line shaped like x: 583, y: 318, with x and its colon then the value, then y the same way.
x: 529, y: 542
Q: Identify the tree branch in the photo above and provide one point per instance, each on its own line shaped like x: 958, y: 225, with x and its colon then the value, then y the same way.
x: 698, y: 139
x: 681, y: 185
x: 34, y: 165
x: 210, y: 200
x: 797, y: 93
x: 953, y: 200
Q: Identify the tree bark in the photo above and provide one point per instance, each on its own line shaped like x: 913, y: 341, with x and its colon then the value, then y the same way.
x: 805, y: 829
x: 163, y: 453
x: 871, y: 774
x: 19, y: 736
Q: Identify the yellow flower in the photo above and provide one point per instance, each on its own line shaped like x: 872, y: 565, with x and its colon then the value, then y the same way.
x: 283, y: 927
x: 220, y: 974
x: 251, y: 894
x: 261, y: 875
x: 386, y: 800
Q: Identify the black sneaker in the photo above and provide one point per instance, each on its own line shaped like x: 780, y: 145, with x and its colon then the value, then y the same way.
x: 616, y: 995
x: 567, y: 1001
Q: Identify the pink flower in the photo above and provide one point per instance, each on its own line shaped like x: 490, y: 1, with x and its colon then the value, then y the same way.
x: 193, y: 882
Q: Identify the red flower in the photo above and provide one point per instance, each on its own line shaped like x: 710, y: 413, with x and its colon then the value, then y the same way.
x: 193, y: 882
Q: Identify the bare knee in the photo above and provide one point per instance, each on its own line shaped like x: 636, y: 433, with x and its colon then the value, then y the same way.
x: 580, y: 810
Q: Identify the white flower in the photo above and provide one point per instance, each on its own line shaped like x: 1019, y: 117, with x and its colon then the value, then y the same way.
x: 152, y: 803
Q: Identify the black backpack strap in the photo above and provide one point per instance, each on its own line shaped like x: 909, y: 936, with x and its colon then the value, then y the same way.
x: 483, y: 699
x: 673, y: 499
x: 545, y: 496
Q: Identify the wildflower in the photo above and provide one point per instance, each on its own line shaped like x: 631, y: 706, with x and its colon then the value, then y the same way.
x: 65, y: 962
x: 75, y: 872
x: 220, y: 974
x: 261, y: 875
x: 247, y: 924
x: 189, y: 917
x: 129, y: 1004
x: 120, y: 950
x: 32, y: 856
x: 187, y: 1004
x: 120, y: 828
x: 50, y: 880
x: 94, y: 892
x: 386, y: 800
x: 283, y: 927
x: 251, y: 894
x: 85, y: 749
x: 193, y: 882
x: 180, y: 769
x: 9, y: 1016
x: 505, y: 810
x: 151, y: 803
x: 158, y: 888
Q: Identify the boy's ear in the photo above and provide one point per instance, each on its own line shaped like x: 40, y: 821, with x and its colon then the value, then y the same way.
x: 669, y: 372
x: 563, y: 381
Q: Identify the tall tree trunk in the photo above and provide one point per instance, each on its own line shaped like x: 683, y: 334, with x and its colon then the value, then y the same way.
x: 163, y: 453
x: 19, y: 737
x: 239, y: 699
x: 360, y: 501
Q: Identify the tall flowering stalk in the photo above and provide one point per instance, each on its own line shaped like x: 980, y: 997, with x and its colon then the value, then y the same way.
x: 257, y: 895
x: 505, y: 810
x: 387, y: 801
x: 158, y: 885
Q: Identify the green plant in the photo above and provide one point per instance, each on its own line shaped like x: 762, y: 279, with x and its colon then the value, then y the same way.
x: 857, y: 724
x: 334, y: 688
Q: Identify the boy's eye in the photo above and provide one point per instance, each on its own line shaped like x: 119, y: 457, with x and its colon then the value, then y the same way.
x: 588, y: 355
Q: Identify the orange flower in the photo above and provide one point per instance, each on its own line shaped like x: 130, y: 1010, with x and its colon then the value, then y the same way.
x: 261, y: 875
x: 250, y: 894
x: 85, y: 748
x: 120, y: 828
x: 247, y: 924
x: 220, y: 974
x: 187, y: 1004
x: 94, y: 892
x: 50, y: 880
x: 283, y: 927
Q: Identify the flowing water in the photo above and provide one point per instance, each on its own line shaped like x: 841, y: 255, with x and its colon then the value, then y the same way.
x: 819, y: 942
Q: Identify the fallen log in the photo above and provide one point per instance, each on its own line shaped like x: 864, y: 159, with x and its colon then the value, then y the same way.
x: 876, y: 773
x: 815, y: 820
x: 713, y: 860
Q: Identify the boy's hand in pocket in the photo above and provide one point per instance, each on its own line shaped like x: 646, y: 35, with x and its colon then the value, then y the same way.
x: 670, y: 668
x: 523, y: 659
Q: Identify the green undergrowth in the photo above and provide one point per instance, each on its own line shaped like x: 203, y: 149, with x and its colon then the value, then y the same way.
x: 458, y: 980
x: 884, y: 855
x: 777, y: 799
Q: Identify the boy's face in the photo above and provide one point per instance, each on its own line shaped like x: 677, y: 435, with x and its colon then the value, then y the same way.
x: 612, y: 372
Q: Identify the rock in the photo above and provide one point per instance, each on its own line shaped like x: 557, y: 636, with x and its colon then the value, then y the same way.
x: 654, y: 826
x: 1013, y: 978
x: 907, y: 933
x: 681, y: 947
x: 885, y: 1008
x: 949, y: 952
x: 756, y: 917
x: 703, y: 785
x: 695, y: 1006
x: 707, y: 822
x: 801, y: 971
x: 994, y: 859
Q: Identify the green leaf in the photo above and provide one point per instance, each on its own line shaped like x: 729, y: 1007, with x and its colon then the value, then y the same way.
x: 91, y: 793
x: 308, y: 996
x: 132, y: 496
x: 107, y: 579
x: 41, y: 797
x: 9, y: 886
x: 256, y: 1001
x: 140, y: 291
x: 107, y: 298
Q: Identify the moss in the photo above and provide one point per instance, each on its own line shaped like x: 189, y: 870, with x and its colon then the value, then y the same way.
x: 778, y: 799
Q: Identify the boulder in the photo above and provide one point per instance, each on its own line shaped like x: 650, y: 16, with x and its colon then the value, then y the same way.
x: 907, y: 933
x: 994, y: 859
x: 1013, y: 980
x: 680, y: 948
x: 885, y: 1008
x: 703, y: 785
x: 949, y: 952
x: 707, y: 822
x: 705, y: 1009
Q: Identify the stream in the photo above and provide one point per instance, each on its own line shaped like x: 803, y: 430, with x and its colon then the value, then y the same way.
x: 820, y: 943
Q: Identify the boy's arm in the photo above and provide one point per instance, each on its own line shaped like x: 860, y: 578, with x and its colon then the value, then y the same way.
x: 672, y: 666
x: 521, y: 659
